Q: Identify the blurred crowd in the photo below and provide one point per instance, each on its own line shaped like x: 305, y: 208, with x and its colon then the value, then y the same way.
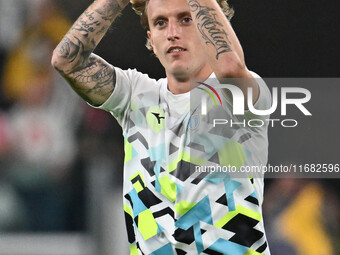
x: 302, y: 216
x: 49, y: 137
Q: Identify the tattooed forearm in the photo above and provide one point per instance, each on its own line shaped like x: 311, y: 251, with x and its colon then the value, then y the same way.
x: 68, y: 50
x: 86, y: 27
x: 88, y: 74
x: 89, y: 15
x: 110, y: 10
x: 87, y: 31
x: 97, y: 77
x: 210, y: 28
x: 94, y: 72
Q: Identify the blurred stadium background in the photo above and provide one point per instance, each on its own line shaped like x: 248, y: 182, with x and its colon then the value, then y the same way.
x: 61, y: 161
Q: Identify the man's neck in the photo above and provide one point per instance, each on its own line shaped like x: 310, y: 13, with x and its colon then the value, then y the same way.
x: 181, y: 86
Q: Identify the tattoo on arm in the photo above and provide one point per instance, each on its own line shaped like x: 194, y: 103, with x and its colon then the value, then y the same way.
x: 89, y: 75
x: 84, y: 27
x: 97, y: 73
x: 84, y: 35
x: 110, y: 10
x: 210, y: 28
x: 98, y: 79
x: 69, y: 50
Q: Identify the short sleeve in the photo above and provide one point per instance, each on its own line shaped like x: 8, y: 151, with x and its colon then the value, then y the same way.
x: 120, y: 98
x: 129, y: 84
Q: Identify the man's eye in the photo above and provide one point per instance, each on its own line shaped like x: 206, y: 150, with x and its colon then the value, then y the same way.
x: 187, y: 20
x: 160, y: 23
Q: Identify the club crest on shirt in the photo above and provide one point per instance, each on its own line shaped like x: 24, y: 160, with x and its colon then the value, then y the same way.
x: 194, y: 121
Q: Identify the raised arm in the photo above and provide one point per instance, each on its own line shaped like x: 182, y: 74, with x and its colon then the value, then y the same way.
x: 88, y: 74
x: 221, y: 44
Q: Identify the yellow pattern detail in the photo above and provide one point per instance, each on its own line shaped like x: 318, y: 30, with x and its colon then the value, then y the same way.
x: 134, y: 106
x: 147, y: 224
x: 183, y: 207
x: 232, y: 154
x: 136, y: 174
x: 225, y: 219
x: 128, y: 151
x: 168, y: 188
x: 137, y: 185
x: 239, y: 209
x: 188, y: 158
x: 248, y: 212
x: 128, y: 210
x: 133, y: 250
x: 252, y: 252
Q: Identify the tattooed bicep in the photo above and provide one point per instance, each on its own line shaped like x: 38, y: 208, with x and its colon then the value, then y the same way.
x: 94, y: 81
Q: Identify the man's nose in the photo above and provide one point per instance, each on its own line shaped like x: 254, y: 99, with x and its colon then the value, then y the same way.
x: 173, y: 31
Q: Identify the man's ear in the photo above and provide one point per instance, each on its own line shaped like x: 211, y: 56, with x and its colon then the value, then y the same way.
x: 150, y: 42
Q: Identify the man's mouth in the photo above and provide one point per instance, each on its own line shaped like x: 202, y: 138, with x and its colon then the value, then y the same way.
x: 175, y: 49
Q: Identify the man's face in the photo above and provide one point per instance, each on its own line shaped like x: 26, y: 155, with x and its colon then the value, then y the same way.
x: 175, y: 40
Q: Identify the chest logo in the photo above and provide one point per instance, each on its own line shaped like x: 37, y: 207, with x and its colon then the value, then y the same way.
x: 155, y: 118
x: 157, y: 115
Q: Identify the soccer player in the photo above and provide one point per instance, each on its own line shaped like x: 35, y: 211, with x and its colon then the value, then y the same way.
x: 172, y: 204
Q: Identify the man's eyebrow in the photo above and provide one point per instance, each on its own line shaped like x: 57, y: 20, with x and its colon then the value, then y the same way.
x: 184, y: 14
x: 159, y: 17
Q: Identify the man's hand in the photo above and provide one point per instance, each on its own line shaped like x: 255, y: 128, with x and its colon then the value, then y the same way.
x: 89, y: 75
